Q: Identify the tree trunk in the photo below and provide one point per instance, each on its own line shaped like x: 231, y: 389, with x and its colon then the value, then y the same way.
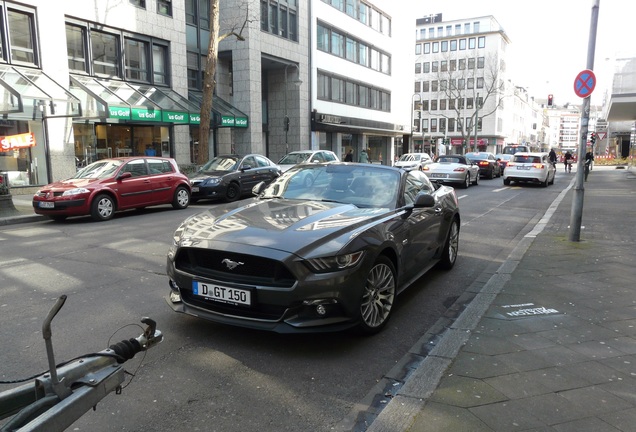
x: 208, y: 84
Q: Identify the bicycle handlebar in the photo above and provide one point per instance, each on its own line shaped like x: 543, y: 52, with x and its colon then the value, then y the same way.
x: 64, y: 393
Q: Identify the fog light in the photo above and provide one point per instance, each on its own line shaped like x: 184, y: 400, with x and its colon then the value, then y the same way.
x: 320, y: 310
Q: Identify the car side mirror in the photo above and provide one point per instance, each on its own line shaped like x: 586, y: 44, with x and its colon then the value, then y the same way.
x: 246, y: 167
x: 124, y: 175
x: 424, y: 201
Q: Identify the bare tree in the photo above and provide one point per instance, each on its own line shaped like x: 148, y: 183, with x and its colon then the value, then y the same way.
x: 209, y: 80
x: 466, y: 88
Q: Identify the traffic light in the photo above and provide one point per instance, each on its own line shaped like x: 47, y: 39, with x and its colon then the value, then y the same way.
x: 550, y: 100
x: 593, y: 138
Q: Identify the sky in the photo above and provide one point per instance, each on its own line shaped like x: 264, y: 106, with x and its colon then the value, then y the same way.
x: 549, y: 39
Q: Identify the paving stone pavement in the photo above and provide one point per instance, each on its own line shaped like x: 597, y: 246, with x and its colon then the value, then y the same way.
x: 549, y: 343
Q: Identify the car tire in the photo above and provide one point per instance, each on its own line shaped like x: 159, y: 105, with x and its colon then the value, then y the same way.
x: 466, y: 183
x: 377, y: 299
x: 233, y: 192
x: 506, y: 182
x: 451, y: 247
x: 545, y: 182
x: 181, y: 198
x: 102, y: 208
x: 476, y: 181
x: 491, y: 175
x: 552, y: 181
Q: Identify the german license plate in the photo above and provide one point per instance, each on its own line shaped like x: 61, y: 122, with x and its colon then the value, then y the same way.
x: 222, y: 294
x: 195, y: 188
x: 523, y: 167
x: 46, y: 204
x: 439, y: 175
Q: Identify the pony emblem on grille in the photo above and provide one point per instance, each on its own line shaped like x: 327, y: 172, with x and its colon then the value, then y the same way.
x: 231, y: 265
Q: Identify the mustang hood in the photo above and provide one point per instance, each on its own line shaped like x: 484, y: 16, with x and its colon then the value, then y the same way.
x: 279, y: 224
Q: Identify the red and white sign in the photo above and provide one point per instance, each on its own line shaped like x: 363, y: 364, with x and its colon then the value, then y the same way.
x: 601, y: 135
x: 13, y: 142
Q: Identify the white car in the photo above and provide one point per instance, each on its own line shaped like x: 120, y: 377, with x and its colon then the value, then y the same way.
x: 530, y: 168
x: 410, y: 161
x: 306, y: 156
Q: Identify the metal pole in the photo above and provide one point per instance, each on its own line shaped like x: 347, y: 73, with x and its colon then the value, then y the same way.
x: 476, y: 120
x: 576, y: 215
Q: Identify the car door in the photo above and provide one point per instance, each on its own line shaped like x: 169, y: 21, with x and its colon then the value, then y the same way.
x: 161, y: 175
x: 249, y: 177
x: 136, y: 190
x: 423, y: 227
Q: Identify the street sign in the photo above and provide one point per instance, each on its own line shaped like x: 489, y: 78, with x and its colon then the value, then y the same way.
x: 601, y: 135
x: 584, y: 83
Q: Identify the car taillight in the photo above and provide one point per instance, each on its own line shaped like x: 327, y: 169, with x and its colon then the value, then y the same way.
x: 483, y: 163
x: 510, y: 164
x: 460, y: 169
x: 538, y: 166
x: 425, y: 168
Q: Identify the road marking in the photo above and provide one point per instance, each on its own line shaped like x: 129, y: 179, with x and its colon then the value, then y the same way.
x: 462, y: 196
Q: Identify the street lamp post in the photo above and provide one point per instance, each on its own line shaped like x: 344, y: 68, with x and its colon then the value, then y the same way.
x: 476, y: 120
x: 413, y: 100
x: 297, y: 82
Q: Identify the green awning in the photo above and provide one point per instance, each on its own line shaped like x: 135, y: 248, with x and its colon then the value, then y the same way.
x: 30, y: 93
x: 224, y: 114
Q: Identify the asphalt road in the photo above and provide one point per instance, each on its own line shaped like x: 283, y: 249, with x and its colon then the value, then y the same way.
x: 210, y: 377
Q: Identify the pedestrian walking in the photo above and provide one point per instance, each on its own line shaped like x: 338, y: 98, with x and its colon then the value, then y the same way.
x: 553, y: 157
x: 364, y: 157
x: 349, y: 156
x: 589, y: 160
x: 567, y: 160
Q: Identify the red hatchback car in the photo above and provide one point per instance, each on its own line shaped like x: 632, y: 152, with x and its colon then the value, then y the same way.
x: 109, y: 185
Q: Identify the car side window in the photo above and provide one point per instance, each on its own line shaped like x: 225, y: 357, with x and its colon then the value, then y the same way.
x: 260, y: 162
x: 136, y: 167
x: 329, y: 157
x: 415, y: 184
x: 251, y: 161
x: 159, y: 166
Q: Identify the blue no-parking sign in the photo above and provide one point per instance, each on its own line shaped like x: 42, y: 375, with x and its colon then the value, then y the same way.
x: 584, y: 83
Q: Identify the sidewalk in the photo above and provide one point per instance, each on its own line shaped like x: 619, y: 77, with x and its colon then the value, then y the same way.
x: 549, y: 342
x: 23, y: 211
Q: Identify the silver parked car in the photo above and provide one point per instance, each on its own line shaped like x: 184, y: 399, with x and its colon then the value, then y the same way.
x: 306, y: 156
x: 453, y: 169
x: 410, y: 161
x: 321, y: 257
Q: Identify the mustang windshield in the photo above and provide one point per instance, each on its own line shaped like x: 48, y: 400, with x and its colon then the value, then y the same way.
x: 358, y: 184
x: 98, y: 169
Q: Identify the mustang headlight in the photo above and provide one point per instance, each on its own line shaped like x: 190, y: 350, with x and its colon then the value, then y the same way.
x: 334, y: 263
x: 75, y: 191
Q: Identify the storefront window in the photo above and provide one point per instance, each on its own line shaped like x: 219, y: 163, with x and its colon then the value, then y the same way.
x: 22, y: 153
x: 100, y: 141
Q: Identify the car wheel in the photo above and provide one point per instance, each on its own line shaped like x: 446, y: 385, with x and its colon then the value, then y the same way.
x: 102, y: 208
x: 233, y: 192
x: 451, y: 247
x: 181, y: 198
x: 491, y: 175
x: 545, y: 182
x: 379, y: 293
x: 476, y: 181
x: 466, y: 181
x: 506, y: 182
x: 553, y: 176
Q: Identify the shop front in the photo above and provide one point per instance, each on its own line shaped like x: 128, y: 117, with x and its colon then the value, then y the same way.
x: 377, y: 138
x: 29, y: 102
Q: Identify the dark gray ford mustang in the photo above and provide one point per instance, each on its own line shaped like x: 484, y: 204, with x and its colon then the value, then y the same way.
x: 326, y: 254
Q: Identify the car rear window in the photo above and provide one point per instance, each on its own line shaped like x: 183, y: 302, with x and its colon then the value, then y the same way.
x: 528, y: 159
